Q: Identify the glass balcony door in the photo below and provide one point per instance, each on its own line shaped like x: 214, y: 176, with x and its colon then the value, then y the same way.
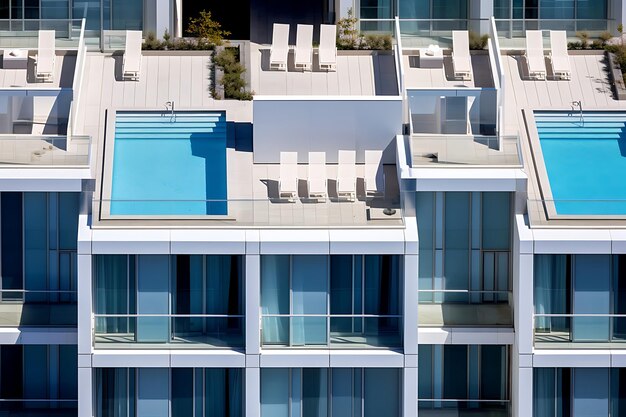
x: 341, y: 300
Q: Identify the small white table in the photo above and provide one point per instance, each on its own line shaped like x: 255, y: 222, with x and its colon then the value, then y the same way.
x: 430, y: 58
x: 15, y: 59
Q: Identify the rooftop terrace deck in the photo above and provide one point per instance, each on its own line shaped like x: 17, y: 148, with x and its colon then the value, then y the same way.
x: 359, y: 73
x: 590, y: 84
x: 252, y: 188
x: 64, y: 67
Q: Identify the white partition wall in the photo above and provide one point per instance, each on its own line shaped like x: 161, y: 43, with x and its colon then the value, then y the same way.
x: 324, y: 124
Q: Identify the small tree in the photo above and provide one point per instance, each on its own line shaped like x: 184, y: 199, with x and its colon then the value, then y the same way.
x: 206, y: 29
x: 620, y: 29
x: 347, y: 32
x: 584, y: 38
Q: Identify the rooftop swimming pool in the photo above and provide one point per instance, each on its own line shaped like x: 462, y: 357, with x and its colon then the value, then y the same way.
x: 169, y: 165
x: 585, y: 161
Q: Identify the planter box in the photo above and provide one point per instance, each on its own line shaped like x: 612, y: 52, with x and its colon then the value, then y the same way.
x: 146, y: 52
x: 361, y: 52
x: 617, y: 79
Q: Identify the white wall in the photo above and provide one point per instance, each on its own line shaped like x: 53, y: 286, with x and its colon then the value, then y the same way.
x: 325, y: 124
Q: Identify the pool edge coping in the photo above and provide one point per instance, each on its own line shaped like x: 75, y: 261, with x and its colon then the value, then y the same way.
x: 543, y: 180
x: 108, y: 148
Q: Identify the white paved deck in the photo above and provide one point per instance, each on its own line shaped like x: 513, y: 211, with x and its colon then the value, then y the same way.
x: 417, y: 77
x: 64, y: 67
x: 360, y: 75
x: 589, y: 84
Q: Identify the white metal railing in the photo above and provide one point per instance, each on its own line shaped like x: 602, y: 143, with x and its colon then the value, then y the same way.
x: 79, y: 70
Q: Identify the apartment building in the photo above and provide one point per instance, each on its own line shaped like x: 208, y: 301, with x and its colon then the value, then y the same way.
x: 155, y: 262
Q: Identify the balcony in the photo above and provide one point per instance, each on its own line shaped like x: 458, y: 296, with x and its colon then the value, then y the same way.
x: 194, y: 331
x: 31, y: 308
x: 443, y: 308
x: 44, y: 151
x: 332, y: 331
x: 464, y: 408
x: 582, y: 331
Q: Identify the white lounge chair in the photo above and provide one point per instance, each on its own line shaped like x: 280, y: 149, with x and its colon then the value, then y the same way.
x: 44, y: 60
x: 328, y: 47
x: 288, y: 180
x: 534, y: 55
x: 304, y: 47
x: 131, y: 66
x: 317, y: 175
x: 279, y: 50
x: 374, y: 174
x: 346, y: 175
x: 461, y: 59
x: 558, y: 55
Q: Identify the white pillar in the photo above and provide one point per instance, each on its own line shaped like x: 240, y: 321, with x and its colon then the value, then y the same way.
x: 253, y: 294
x: 253, y: 392
x: 85, y: 391
x: 85, y: 308
x: 409, y: 408
x: 410, y: 304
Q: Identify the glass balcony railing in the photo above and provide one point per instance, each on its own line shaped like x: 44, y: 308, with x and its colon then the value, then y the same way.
x: 56, y: 151
x: 582, y: 330
x: 22, y: 33
x: 464, y: 408
x: 333, y: 331
x: 272, y: 211
x: 38, y: 408
x: 512, y: 32
x: 463, y: 296
x: 438, y: 308
x: 33, y: 308
x: 418, y: 33
x: 176, y: 330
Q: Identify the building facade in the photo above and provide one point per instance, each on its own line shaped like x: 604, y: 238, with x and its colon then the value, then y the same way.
x: 154, y: 261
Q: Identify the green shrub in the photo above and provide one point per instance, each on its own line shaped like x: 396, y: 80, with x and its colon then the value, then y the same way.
x: 378, y: 42
x: 151, y: 43
x: 476, y: 41
x: 232, y: 80
x: 584, y: 38
x: 605, y: 37
x: 347, y: 33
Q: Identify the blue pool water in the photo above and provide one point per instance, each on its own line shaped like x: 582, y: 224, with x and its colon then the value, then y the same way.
x: 165, y: 167
x: 586, y: 162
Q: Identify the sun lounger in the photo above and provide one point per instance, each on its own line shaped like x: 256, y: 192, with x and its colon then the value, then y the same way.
x: 288, y: 179
x: 558, y: 55
x: 328, y: 47
x: 131, y: 66
x: 534, y: 55
x: 374, y: 174
x: 346, y: 175
x: 44, y: 60
x: 317, y: 175
x: 279, y: 50
x: 461, y: 59
x: 304, y: 48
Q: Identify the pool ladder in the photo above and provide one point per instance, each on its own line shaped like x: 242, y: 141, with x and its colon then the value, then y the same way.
x: 578, y: 103
x: 169, y: 106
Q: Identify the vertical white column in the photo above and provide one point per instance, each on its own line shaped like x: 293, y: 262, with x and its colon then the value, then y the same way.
x: 253, y: 294
x: 523, y: 307
x: 409, y: 398
x: 85, y: 390
x: 85, y: 308
x: 253, y: 392
x: 410, y: 286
